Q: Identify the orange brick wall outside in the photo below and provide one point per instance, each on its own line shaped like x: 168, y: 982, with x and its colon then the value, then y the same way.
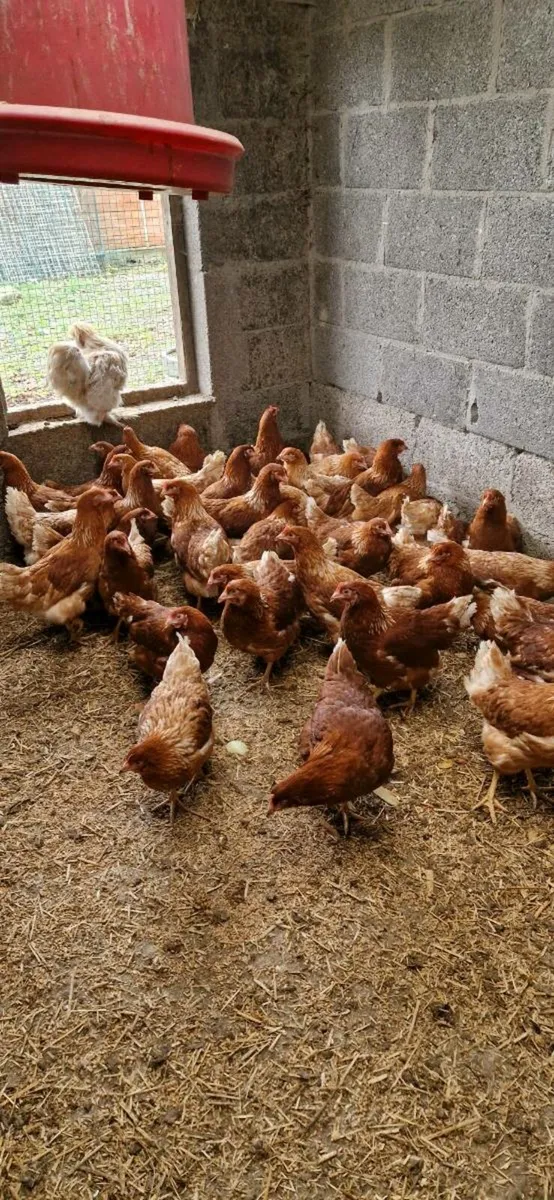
x: 118, y: 220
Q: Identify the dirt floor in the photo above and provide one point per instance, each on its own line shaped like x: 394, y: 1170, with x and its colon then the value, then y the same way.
x: 252, y: 1007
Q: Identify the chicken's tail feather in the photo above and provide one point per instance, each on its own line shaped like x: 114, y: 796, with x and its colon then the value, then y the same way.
x: 504, y: 604
x: 20, y: 515
x: 69, y: 608
x: 340, y: 661
x: 462, y: 609
x: 490, y: 668
x: 182, y: 659
x: 12, y: 585
x: 404, y: 596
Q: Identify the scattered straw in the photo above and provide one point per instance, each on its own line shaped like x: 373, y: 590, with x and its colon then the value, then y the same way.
x: 258, y: 1008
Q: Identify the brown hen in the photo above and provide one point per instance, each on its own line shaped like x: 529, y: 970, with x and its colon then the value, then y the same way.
x: 175, y: 728
x: 386, y: 468
x: 442, y: 573
x: 399, y: 651
x: 125, y: 569
x: 166, y: 465
x: 527, y: 576
x: 58, y: 586
x: 526, y: 628
x: 518, y: 725
x: 492, y: 527
x: 240, y: 512
x: 17, y: 476
x: 322, y: 442
x: 236, y: 478
x: 187, y: 448
x: 269, y: 442
x: 346, y: 744
x: 319, y: 576
x: 260, y: 616
x: 197, y: 539
x: 364, y: 546
x: 154, y: 629
x: 388, y: 503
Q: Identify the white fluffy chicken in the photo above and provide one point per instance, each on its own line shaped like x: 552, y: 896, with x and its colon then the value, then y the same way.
x: 90, y: 372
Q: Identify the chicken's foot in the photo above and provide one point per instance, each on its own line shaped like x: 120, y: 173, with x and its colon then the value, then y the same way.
x: 263, y: 682
x: 346, y: 814
x: 489, y: 799
x: 75, y: 629
x: 174, y: 800
x: 411, y: 702
x: 115, y: 633
x: 532, y: 787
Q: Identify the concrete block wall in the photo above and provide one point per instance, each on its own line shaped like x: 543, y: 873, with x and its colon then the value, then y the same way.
x: 250, y: 75
x: 433, y: 238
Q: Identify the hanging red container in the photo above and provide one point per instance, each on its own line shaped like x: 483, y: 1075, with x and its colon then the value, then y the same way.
x: 100, y: 93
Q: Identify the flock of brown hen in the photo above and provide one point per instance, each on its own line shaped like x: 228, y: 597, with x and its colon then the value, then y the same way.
x: 280, y: 538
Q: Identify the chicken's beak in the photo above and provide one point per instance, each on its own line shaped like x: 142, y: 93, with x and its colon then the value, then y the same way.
x: 272, y: 807
x: 337, y: 598
x: 223, y: 597
x: 126, y: 767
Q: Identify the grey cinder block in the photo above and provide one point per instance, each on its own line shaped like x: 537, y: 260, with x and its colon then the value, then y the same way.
x: 347, y: 224
x: 328, y: 293
x: 347, y: 68
x: 527, y: 50
x: 275, y: 158
x: 443, y: 53
x: 514, y: 408
x: 433, y: 233
x: 327, y: 14
x: 273, y: 295
x: 267, y: 79
x: 386, y: 150
x: 260, y: 229
x: 382, y: 302
x: 367, y: 420
x: 460, y: 466
x: 295, y: 420
x: 519, y: 241
x: 426, y: 384
x: 347, y: 359
x: 541, y: 340
x: 475, y: 320
x: 366, y: 10
x: 326, y: 150
x: 278, y: 356
x: 493, y: 144
x: 532, y: 492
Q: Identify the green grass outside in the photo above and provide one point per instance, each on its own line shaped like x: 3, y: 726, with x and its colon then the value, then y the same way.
x: 130, y: 304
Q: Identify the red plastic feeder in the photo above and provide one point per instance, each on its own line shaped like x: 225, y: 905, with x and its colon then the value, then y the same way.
x: 100, y: 94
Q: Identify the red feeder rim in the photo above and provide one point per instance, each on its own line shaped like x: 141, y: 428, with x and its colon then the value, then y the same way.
x: 101, y: 95
x: 67, y: 145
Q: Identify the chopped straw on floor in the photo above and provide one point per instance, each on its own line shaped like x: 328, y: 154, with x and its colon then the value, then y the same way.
x: 259, y: 1008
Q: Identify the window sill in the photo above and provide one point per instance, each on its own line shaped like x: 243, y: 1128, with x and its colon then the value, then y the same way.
x: 50, y: 412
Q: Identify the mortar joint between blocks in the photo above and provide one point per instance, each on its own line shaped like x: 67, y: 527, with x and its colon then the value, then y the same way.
x: 429, y: 143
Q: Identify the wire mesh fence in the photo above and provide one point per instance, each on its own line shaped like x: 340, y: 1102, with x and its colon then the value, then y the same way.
x: 89, y: 254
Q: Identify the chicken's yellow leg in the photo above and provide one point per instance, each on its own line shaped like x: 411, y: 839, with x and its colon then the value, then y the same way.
x: 532, y: 786
x: 488, y: 800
